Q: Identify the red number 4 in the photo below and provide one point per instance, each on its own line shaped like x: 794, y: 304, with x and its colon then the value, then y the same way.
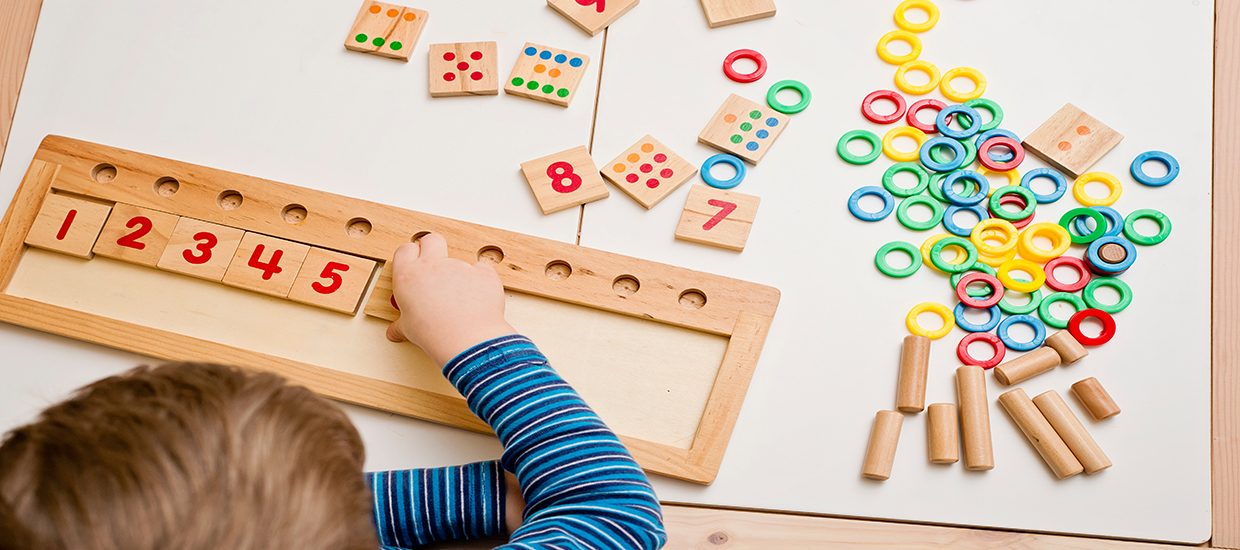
x: 269, y: 268
x: 725, y: 208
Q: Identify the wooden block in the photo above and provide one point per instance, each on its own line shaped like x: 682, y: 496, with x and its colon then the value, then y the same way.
x: 914, y: 364
x: 1072, y: 141
x: 1073, y: 433
x: 717, y: 217
x: 1027, y: 366
x: 332, y: 280
x: 1040, y: 433
x: 592, y: 16
x: 744, y: 128
x: 564, y: 180
x: 136, y: 235
x: 67, y: 225
x: 943, y: 433
x: 974, y: 418
x: 881, y: 452
x: 1095, y: 398
x: 727, y: 12
x: 266, y: 264
x: 386, y: 29
x: 200, y: 249
x: 649, y: 171
x: 1070, y: 351
x: 382, y: 303
x: 464, y: 68
x: 547, y: 74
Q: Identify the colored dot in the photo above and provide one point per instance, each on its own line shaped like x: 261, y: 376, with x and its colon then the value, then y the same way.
x: 410, y: 16
x: 576, y: 62
x: 772, y: 122
x: 554, y: 73
x: 361, y: 38
x: 1064, y: 146
x: 378, y: 41
x: 1082, y: 130
x: 646, y: 168
x: 652, y: 183
x: 647, y: 147
x: 518, y: 81
x: 462, y: 66
x: 745, y: 126
x: 545, y: 54
x: 449, y: 56
x: 393, y: 12
x: 631, y: 178
x: 476, y: 75
x: 533, y: 85
x: 475, y: 56
x: 563, y: 92
x: 530, y: 51
x: 736, y: 138
x: 660, y: 157
x: 634, y: 157
x: 548, y: 89
x: 755, y: 115
x: 396, y: 46
x: 561, y: 58
x: 763, y: 134
x: 540, y: 68
x: 729, y: 118
x: 667, y: 173
x: 619, y: 168
x: 752, y: 146
x: 449, y: 77
x: 375, y: 9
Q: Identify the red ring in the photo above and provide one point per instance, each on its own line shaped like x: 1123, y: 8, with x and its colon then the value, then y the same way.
x: 1075, y: 263
x: 962, y: 349
x: 1017, y: 200
x: 867, y: 106
x: 996, y: 290
x: 1018, y: 154
x: 925, y: 104
x: 1108, y: 327
x: 744, y: 54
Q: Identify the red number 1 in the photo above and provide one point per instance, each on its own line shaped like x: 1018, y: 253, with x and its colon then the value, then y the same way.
x: 599, y: 5
x: 64, y: 227
x: 268, y: 268
x: 725, y: 209
x: 331, y: 271
x: 131, y: 240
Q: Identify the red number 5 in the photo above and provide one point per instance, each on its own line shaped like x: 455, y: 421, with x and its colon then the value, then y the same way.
x: 725, y: 209
x: 332, y: 271
x: 209, y: 242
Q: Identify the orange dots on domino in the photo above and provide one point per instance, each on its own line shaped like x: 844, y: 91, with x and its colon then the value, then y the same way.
x: 634, y: 157
x: 1082, y: 130
x: 375, y: 9
x: 540, y: 68
x: 647, y: 147
x: 619, y: 168
x: 729, y: 118
x: 554, y: 73
x: 1064, y: 146
x: 393, y: 12
x: 410, y: 16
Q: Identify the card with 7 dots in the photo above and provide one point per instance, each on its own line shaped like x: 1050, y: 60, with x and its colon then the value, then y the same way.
x: 648, y: 171
x: 547, y: 74
x: 386, y: 29
x: 564, y: 180
x: 744, y: 128
x: 592, y: 16
x: 463, y: 68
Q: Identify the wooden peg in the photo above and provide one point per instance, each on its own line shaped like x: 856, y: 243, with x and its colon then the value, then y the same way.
x: 1095, y: 398
x: 67, y: 225
x: 974, y: 417
x: 1027, y: 366
x: 1073, y: 433
x: 943, y: 433
x: 1069, y: 349
x: 136, y: 235
x: 1040, y: 433
x: 914, y: 362
x: 881, y: 453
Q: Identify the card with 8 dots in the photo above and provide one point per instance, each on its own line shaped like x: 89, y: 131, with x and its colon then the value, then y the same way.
x: 386, y: 29
x: 744, y: 128
x: 463, y: 68
x: 547, y: 74
x: 648, y: 171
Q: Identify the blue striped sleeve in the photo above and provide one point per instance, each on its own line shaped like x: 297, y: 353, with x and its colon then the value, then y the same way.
x: 416, y: 507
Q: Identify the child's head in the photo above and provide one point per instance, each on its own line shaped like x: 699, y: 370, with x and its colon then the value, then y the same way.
x: 186, y: 456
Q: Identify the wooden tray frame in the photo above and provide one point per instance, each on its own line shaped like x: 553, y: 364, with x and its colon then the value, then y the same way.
x: 700, y: 527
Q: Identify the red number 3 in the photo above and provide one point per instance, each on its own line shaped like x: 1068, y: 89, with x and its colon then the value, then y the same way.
x: 332, y: 271
x: 599, y: 5
x: 209, y: 242
x: 560, y: 171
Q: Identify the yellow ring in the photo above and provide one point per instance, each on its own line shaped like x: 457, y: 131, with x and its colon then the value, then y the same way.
x: 979, y: 84
x: 992, y: 227
x: 961, y: 254
x: 996, y: 261
x: 889, y: 146
x: 1055, y: 233
x: 1013, y: 177
x: 1078, y: 189
x: 913, y: 42
x: 949, y: 320
x: 917, y: 65
x: 1034, y: 270
x: 931, y: 10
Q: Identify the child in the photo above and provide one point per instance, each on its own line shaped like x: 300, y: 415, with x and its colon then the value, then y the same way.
x: 189, y: 456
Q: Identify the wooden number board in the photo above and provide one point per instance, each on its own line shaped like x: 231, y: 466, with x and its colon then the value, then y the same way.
x: 182, y: 262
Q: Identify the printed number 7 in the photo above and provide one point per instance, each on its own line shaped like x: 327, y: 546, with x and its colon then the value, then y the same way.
x: 725, y: 208
x: 599, y: 5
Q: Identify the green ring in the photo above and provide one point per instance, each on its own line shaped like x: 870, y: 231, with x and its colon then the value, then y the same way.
x: 935, y: 187
x: 1031, y: 203
x: 914, y: 253
x: 1130, y: 230
x: 979, y: 266
x: 1100, y: 224
x: 1035, y: 299
x: 970, y: 153
x: 923, y: 179
x: 788, y: 109
x: 875, y: 144
x: 996, y: 112
x: 936, y: 215
x: 936, y: 254
x: 1125, y: 294
x: 1044, y: 309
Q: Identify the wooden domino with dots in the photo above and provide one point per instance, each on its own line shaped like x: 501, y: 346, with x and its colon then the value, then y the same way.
x: 547, y: 74
x: 592, y: 16
x: 1072, y: 141
x: 464, y: 68
x: 200, y: 249
x: 265, y: 264
x: 728, y: 12
x: 136, y: 235
x: 648, y: 171
x: 386, y: 30
x: 68, y: 225
x: 564, y: 180
x: 744, y: 128
x: 717, y: 217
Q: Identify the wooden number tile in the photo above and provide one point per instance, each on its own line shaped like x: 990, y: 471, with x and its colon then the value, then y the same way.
x: 727, y: 12
x: 332, y: 280
x: 1072, y: 141
x: 744, y: 128
x: 67, y: 225
x: 648, y: 171
x: 564, y: 180
x: 200, y: 249
x: 717, y: 217
x: 386, y: 29
x: 266, y: 264
x: 464, y: 68
x: 547, y: 74
x: 592, y: 16
x: 382, y: 303
x: 136, y: 235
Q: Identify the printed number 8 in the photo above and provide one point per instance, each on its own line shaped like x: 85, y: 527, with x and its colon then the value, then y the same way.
x: 560, y: 171
x: 599, y: 5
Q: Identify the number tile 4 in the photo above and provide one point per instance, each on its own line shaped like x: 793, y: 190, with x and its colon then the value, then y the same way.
x: 67, y: 225
x: 136, y: 235
x: 386, y: 29
x: 200, y: 249
x: 564, y: 180
x: 332, y: 280
x: 592, y: 16
x: 266, y: 264
x: 717, y: 217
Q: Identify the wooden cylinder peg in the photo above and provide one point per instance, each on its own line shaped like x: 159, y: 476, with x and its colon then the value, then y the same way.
x: 1095, y: 398
x: 1073, y: 433
x: 914, y: 363
x: 1069, y: 349
x: 974, y: 418
x: 881, y: 453
x: 1040, y: 433
x: 943, y: 433
x: 1027, y: 366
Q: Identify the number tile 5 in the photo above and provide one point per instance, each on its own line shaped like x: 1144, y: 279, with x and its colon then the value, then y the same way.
x: 67, y: 225
x: 564, y: 180
x: 136, y: 235
x: 266, y: 264
x: 332, y: 280
x: 717, y: 217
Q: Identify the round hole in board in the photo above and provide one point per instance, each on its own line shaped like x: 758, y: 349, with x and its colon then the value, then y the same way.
x: 418, y: 236
x: 358, y: 227
x: 558, y: 270
x: 626, y: 285
x: 294, y: 214
x: 167, y: 187
x: 491, y: 255
x: 692, y: 299
x: 229, y: 200
x: 103, y: 173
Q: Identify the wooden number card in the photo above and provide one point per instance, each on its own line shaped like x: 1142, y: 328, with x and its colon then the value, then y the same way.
x: 195, y: 264
x: 592, y: 16
x: 727, y: 12
x: 744, y: 128
x: 717, y: 217
x: 564, y: 180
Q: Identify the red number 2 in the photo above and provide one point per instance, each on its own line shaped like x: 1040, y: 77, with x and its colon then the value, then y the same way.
x: 268, y: 268
x: 560, y: 171
x: 210, y: 240
x: 331, y: 271
x: 599, y: 5
x: 131, y: 240
x: 725, y: 209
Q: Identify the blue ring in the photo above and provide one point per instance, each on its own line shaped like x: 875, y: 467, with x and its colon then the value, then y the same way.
x: 981, y: 138
x: 940, y: 122
x: 1039, y: 332
x: 1081, y: 223
x: 1173, y: 168
x: 716, y: 182
x: 983, y: 188
x: 956, y: 161
x: 989, y: 325
x: 1061, y: 184
x: 949, y: 219
x: 1098, y: 266
x: 854, y: 203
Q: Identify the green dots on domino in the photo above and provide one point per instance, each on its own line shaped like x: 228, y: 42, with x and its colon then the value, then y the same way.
x: 518, y: 81
x: 547, y: 89
x: 563, y: 92
x: 532, y: 85
x: 396, y: 46
x: 755, y: 114
x: 361, y: 38
x: 745, y: 126
x: 378, y: 41
x: 736, y: 138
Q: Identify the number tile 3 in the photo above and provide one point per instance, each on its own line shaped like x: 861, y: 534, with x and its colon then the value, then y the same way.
x: 200, y: 249
x: 717, y: 218
x: 136, y: 235
x: 564, y: 180
x: 332, y: 280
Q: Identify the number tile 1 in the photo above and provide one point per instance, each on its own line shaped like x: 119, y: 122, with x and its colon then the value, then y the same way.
x: 744, y: 128
x: 266, y: 264
x: 564, y: 180
x: 136, y: 235
x: 717, y: 217
x: 386, y: 29
x: 200, y: 249
x: 67, y: 225
x: 592, y: 16
x: 648, y: 171
x: 332, y: 280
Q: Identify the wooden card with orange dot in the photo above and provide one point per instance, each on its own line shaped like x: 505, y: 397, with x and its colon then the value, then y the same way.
x: 648, y: 171
x: 1072, y: 141
x: 386, y: 29
x: 744, y: 128
x: 547, y: 74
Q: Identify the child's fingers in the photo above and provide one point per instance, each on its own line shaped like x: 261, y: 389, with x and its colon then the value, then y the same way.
x: 394, y: 334
x: 433, y: 245
x: 406, y: 253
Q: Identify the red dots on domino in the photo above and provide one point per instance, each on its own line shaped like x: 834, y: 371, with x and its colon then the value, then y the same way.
x: 1018, y: 154
x: 1108, y: 327
x: 476, y: 56
x: 996, y: 290
x: 1078, y: 264
x: 751, y: 55
x: 867, y: 106
x: 962, y: 349
x: 915, y: 108
x: 449, y: 56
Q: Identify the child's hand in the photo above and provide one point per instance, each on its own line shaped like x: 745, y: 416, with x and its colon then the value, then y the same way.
x: 446, y: 305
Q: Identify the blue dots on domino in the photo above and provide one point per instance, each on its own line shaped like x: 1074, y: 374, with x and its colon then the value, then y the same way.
x: 1084, y: 224
x: 989, y: 325
x: 531, y: 51
x: 949, y: 219
x: 1138, y: 171
x: 1039, y: 332
x: 983, y: 188
x: 717, y: 183
x: 576, y: 62
x: 927, y: 159
x: 854, y: 203
x: 545, y: 54
x: 560, y: 58
x: 975, y: 119
x: 1061, y: 184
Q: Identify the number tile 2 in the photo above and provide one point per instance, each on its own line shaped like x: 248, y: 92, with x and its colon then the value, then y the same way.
x: 547, y: 74
x: 67, y: 225
x: 266, y: 264
x: 200, y: 249
x: 564, y: 180
x: 592, y: 16
x: 1072, y: 141
x: 464, y: 68
x: 744, y: 128
x: 648, y: 171
x: 386, y: 29
x: 332, y: 280
x: 136, y: 235
x: 717, y: 217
